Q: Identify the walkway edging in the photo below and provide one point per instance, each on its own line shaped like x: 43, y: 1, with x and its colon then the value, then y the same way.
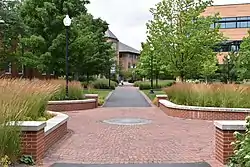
x: 147, y: 98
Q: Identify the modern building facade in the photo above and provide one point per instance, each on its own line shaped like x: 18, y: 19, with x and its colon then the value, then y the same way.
x: 127, y: 56
x: 234, y: 24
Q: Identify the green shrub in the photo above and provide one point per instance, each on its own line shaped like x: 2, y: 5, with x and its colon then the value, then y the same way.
x: 103, y: 84
x: 241, y: 155
x: 75, y: 91
x: 145, y: 85
x: 212, y: 95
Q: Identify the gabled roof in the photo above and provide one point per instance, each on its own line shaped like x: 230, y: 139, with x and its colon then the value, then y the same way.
x: 125, y: 48
x: 109, y: 34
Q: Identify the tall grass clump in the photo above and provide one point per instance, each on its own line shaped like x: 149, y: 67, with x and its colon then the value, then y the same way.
x: 75, y: 90
x: 146, y: 85
x: 103, y: 84
x: 20, y: 100
x: 210, y: 95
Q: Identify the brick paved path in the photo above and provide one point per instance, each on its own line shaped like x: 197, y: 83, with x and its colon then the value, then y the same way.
x: 165, y: 140
x: 126, y: 97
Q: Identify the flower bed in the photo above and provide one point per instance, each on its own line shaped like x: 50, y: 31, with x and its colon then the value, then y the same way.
x: 203, y: 113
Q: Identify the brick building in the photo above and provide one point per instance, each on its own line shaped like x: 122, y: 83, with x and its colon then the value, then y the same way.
x: 126, y: 56
x: 234, y: 24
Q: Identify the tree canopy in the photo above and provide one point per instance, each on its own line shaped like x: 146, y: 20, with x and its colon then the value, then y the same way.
x: 181, y: 37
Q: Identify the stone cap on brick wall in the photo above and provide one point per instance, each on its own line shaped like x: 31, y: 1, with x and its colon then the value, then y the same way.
x: 162, y: 96
x: 72, y: 101
x: 230, y: 125
x: 197, y: 108
x: 91, y: 95
x: 29, y: 126
x: 55, y: 122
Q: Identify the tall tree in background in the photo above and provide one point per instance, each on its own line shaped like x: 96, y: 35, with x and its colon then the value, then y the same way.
x: 10, y: 31
x: 243, y: 65
x: 183, y: 37
x: 89, y: 53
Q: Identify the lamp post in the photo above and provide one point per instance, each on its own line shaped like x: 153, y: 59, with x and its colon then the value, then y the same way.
x: 67, y: 23
x: 228, y: 70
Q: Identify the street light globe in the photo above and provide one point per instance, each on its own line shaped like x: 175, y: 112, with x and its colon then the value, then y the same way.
x: 67, y: 21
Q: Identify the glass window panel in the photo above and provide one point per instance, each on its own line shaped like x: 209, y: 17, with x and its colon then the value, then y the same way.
x: 212, y: 25
x: 222, y: 19
x: 230, y: 18
x: 242, y: 18
x: 242, y: 24
x: 248, y: 24
x: 231, y: 25
x: 222, y: 25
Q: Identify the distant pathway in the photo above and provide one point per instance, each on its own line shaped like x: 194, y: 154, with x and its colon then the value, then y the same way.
x: 127, y: 97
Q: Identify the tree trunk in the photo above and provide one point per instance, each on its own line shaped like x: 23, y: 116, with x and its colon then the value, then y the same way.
x: 87, y: 78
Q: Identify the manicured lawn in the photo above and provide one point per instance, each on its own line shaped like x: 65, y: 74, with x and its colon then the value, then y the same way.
x: 152, y: 96
x: 103, y: 93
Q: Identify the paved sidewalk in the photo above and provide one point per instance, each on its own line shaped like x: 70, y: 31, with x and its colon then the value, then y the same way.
x: 126, y: 97
x: 165, y: 140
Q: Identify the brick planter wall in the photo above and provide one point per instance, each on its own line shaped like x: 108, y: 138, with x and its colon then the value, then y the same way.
x: 224, y: 137
x: 32, y: 141
x: 92, y: 96
x: 37, y: 137
x: 71, y: 105
x: 202, y: 113
x: 54, y: 136
x: 161, y: 97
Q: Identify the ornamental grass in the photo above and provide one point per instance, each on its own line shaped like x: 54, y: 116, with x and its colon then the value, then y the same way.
x: 21, y: 100
x: 210, y: 95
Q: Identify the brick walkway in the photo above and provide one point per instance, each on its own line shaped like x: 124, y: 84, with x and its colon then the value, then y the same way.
x: 165, y: 140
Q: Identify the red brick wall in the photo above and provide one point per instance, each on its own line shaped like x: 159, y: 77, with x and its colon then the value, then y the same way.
x: 36, y: 143
x: 203, y: 115
x: 56, y: 135
x: 32, y: 143
x: 71, y: 106
x: 223, y: 147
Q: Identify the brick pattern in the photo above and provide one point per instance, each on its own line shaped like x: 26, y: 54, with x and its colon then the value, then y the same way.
x: 36, y: 143
x: 203, y: 115
x: 32, y: 143
x: 56, y: 135
x: 95, y: 97
x: 223, y: 147
x: 71, y: 107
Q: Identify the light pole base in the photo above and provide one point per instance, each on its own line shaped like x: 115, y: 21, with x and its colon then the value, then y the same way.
x: 151, y: 91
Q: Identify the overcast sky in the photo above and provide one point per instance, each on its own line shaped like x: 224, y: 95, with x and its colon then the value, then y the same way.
x: 127, y: 18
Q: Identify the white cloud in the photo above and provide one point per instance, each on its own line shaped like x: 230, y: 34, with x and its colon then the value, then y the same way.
x: 128, y: 18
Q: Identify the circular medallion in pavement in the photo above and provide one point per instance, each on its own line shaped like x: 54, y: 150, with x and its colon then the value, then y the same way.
x: 127, y: 121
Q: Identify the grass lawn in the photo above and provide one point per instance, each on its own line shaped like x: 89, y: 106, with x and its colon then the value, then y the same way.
x: 103, y: 93
x: 156, y: 92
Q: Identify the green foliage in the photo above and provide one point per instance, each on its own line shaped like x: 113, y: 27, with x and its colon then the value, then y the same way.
x: 209, y: 68
x: 147, y: 85
x: 241, y: 155
x: 243, y: 63
x: 44, y: 45
x: 229, y: 69
x: 103, y: 84
x: 5, y: 161
x: 75, y: 91
x: 180, y: 37
x: 210, y: 95
x: 102, y: 94
x: 27, y: 159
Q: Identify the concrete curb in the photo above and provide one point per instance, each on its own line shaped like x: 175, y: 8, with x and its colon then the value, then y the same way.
x: 106, y: 99
x: 147, y: 99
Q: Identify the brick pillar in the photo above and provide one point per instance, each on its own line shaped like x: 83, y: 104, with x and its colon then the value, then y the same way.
x: 161, y: 97
x: 33, y: 140
x: 224, y: 137
x: 92, y: 96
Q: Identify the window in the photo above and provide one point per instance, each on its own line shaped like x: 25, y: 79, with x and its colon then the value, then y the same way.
x: 129, y: 65
x: 8, y: 68
x: 242, y: 24
x: 233, y: 22
x: 231, y: 25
